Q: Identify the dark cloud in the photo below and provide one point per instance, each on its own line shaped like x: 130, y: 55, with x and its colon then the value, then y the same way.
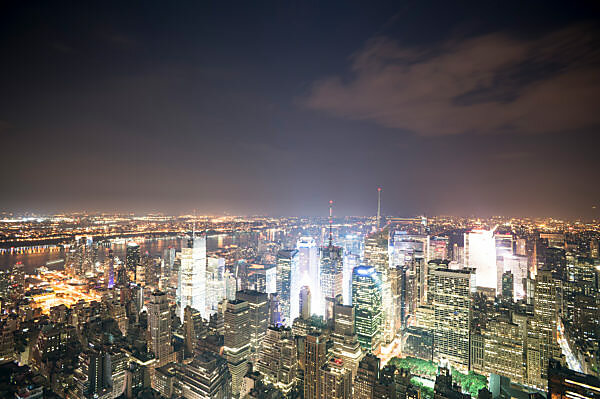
x: 487, y: 84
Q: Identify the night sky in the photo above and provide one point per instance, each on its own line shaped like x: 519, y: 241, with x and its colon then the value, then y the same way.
x: 482, y: 108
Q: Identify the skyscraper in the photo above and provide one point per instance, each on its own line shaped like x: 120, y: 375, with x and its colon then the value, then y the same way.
x: 237, y: 341
x: 287, y: 265
x: 480, y: 254
x: 258, y: 318
x: 159, y: 325
x: 278, y: 358
x: 206, y: 377
x: 191, y: 288
x: 366, y: 299
x: 315, y: 352
x: 132, y: 258
x: 331, y: 272
x: 366, y: 377
x: 308, y: 269
x: 305, y: 300
x: 451, y: 291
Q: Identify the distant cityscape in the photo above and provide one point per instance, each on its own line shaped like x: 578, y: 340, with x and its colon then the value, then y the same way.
x: 155, y: 306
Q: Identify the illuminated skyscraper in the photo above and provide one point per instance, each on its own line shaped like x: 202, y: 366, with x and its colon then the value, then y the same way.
x: 132, y: 258
x: 278, y: 358
x: 258, y: 318
x: 287, y: 273
x: 191, y: 289
x: 353, y: 251
x: 366, y: 299
x: 480, y: 254
x: 215, y: 283
x: 305, y: 301
x: 308, y: 270
x: 331, y: 271
x: 366, y: 377
x: 159, y: 325
x: 237, y: 342
x: 315, y: 355
x: 451, y: 292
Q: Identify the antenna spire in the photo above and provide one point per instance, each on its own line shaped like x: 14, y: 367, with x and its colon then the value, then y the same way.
x: 330, y: 223
x: 378, y: 207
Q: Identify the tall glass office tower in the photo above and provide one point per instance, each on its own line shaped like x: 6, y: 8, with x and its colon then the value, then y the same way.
x: 191, y: 288
x: 366, y: 299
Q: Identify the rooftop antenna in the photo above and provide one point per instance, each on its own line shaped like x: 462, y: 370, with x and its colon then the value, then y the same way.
x: 194, y: 226
x: 378, y: 207
x: 330, y: 223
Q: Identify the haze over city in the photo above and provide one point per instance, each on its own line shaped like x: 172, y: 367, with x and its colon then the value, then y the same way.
x: 275, y: 108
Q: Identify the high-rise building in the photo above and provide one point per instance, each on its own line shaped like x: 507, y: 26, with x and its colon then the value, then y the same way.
x: 507, y: 285
x: 159, y: 326
x: 111, y: 270
x: 287, y: 265
x: 331, y: 272
x: 308, y: 270
x: 480, y: 254
x: 437, y: 248
x: 336, y: 380
x: 237, y: 341
x: 277, y: 361
x: 366, y: 377
x: 377, y: 255
x: 451, y: 291
x: 258, y: 303
x: 191, y: 288
x: 315, y: 356
x: 353, y: 252
x: 366, y: 299
x: 206, y: 377
x: 215, y: 283
x: 305, y: 301
x: 345, y: 340
x: 132, y: 258
x: 542, y: 338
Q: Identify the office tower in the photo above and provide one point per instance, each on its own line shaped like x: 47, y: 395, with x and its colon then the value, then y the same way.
x: 90, y: 378
x: 542, y: 337
x: 507, y: 285
x: 345, y: 340
x: 377, y: 255
x: 132, y: 258
x: 111, y: 269
x: 191, y: 288
x: 206, y: 377
x: 189, y: 332
x: 366, y: 299
x: 353, y: 252
x: 564, y: 383
x: 331, y: 272
x: 237, y: 341
x: 278, y: 358
x: 287, y: 264
x: 159, y: 325
x: 305, y: 300
x: 308, y: 270
x: 480, y: 254
x: 437, y: 248
x: 367, y: 377
x: 336, y: 380
x: 315, y: 352
x: 215, y: 284
x: 518, y: 266
x: 404, y: 289
x: 258, y: 303
x: 405, y: 248
x: 503, y: 350
x: 451, y: 291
